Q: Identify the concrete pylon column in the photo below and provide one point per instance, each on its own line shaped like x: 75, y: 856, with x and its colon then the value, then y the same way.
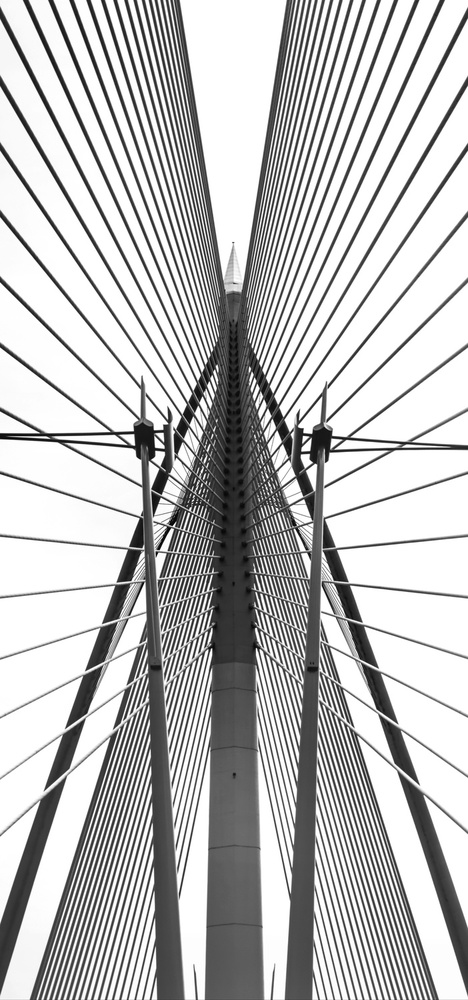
x: 234, y: 950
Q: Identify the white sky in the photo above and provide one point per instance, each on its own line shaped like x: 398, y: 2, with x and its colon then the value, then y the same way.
x: 233, y: 49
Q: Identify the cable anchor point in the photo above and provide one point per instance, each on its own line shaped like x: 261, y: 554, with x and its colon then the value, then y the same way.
x: 144, y: 428
x: 322, y: 433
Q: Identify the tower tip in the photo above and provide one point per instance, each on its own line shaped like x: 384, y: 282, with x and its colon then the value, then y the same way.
x: 233, y: 276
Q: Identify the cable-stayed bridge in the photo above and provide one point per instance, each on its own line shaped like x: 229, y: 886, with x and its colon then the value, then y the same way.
x: 212, y: 691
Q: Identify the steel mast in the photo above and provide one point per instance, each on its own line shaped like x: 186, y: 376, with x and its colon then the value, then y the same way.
x: 234, y: 949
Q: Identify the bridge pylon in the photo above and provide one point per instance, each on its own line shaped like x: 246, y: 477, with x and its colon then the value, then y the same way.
x: 234, y: 952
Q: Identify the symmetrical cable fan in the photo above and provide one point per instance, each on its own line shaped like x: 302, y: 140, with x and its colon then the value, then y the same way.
x: 356, y: 275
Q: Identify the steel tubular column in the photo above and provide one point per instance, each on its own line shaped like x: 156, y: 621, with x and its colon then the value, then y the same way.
x: 301, y: 916
x: 234, y: 955
x: 168, y: 938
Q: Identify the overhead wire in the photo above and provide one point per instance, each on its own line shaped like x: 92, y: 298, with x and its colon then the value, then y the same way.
x: 70, y: 680
x: 401, y: 493
x: 90, y: 712
x: 73, y: 635
x: 190, y: 204
x: 397, y: 541
x: 400, y: 771
x: 393, y: 677
x: 101, y: 254
x: 279, y: 231
x: 403, y: 590
x: 401, y: 728
x: 104, y: 175
x: 287, y: 111
x: 452, y: 107
x: 353, y: 354
x: 50, y: 788
x: 68, y: 541
x: 281, y: 599
x: 397, y: 635
x: 72, y: 447
x: 375, y: 146
x: 66, y: 493
x: 172, y: 216
x: 113, y: 964
x: 89, y: 277
x: 95, y: 810
x: 415, y: 385
x: 189, y: 795
x: 388, y: 872
x: 179, y: 50
x: 364, y: 46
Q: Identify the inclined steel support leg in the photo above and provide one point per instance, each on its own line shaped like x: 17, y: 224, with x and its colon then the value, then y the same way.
x: 166, y: 893
x: 301, y: 916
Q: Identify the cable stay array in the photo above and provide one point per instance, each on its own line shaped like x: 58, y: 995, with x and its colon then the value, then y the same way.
x: 233, y: 637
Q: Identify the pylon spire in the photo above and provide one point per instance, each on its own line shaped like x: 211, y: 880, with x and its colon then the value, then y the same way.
x: 233, y: 276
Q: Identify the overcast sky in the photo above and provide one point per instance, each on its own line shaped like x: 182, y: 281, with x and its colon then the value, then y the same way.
x: 233, y: 49
x: 233, y: 52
